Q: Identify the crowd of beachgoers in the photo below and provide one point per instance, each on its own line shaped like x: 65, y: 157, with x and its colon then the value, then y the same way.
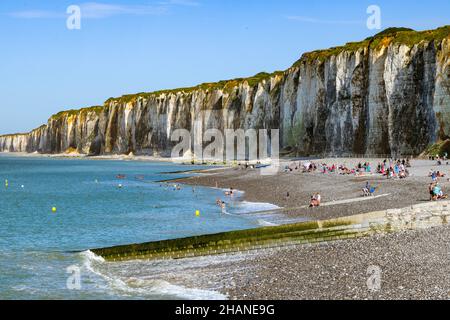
x: 389, y: 168
x: 382, y: 180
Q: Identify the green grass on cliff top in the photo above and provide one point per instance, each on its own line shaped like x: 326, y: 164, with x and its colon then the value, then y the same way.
x: 226, y: 85
x: 72, y: 112
x: 390, y: 35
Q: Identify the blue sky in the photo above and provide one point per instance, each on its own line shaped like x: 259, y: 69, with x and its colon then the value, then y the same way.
x: 129, y: 46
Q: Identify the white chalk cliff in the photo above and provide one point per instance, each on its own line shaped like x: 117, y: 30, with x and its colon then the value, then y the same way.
x: 388, y: 94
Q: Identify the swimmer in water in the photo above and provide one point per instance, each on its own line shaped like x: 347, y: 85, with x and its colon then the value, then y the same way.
x: 229, y: 193
x: 223, y: 206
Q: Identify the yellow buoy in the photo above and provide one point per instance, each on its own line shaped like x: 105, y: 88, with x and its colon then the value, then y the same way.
x: 197, y: 213
x: 54, y: 209
x: 6, y: 183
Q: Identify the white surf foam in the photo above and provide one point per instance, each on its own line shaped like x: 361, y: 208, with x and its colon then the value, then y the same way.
x: 249, y: 207
x: 265, y: 223
x: 126, y: 285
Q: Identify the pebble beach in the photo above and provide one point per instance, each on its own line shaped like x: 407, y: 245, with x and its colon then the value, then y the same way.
x: 414, y: 264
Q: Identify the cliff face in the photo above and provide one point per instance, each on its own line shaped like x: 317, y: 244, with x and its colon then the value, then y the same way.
x: 389, y: 94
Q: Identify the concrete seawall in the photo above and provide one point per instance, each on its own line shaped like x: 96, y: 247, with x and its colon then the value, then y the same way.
x: 426, y: 215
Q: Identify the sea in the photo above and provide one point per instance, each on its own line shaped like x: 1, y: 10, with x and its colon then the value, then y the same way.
x: 53, y: 211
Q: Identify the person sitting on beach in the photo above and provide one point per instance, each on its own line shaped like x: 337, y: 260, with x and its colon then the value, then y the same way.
x: 430, y: 191
x: 433, y: 176
x: 408, y: 164
x: 366, y: 190
x: 396, y: 169
x: 402, y: 175
x: 312, y: 202
x: 390, y: 173
x: 437, y: 193
x: 315, y: 200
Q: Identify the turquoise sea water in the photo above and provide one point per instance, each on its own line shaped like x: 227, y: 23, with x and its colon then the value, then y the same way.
x: 37, y: 245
